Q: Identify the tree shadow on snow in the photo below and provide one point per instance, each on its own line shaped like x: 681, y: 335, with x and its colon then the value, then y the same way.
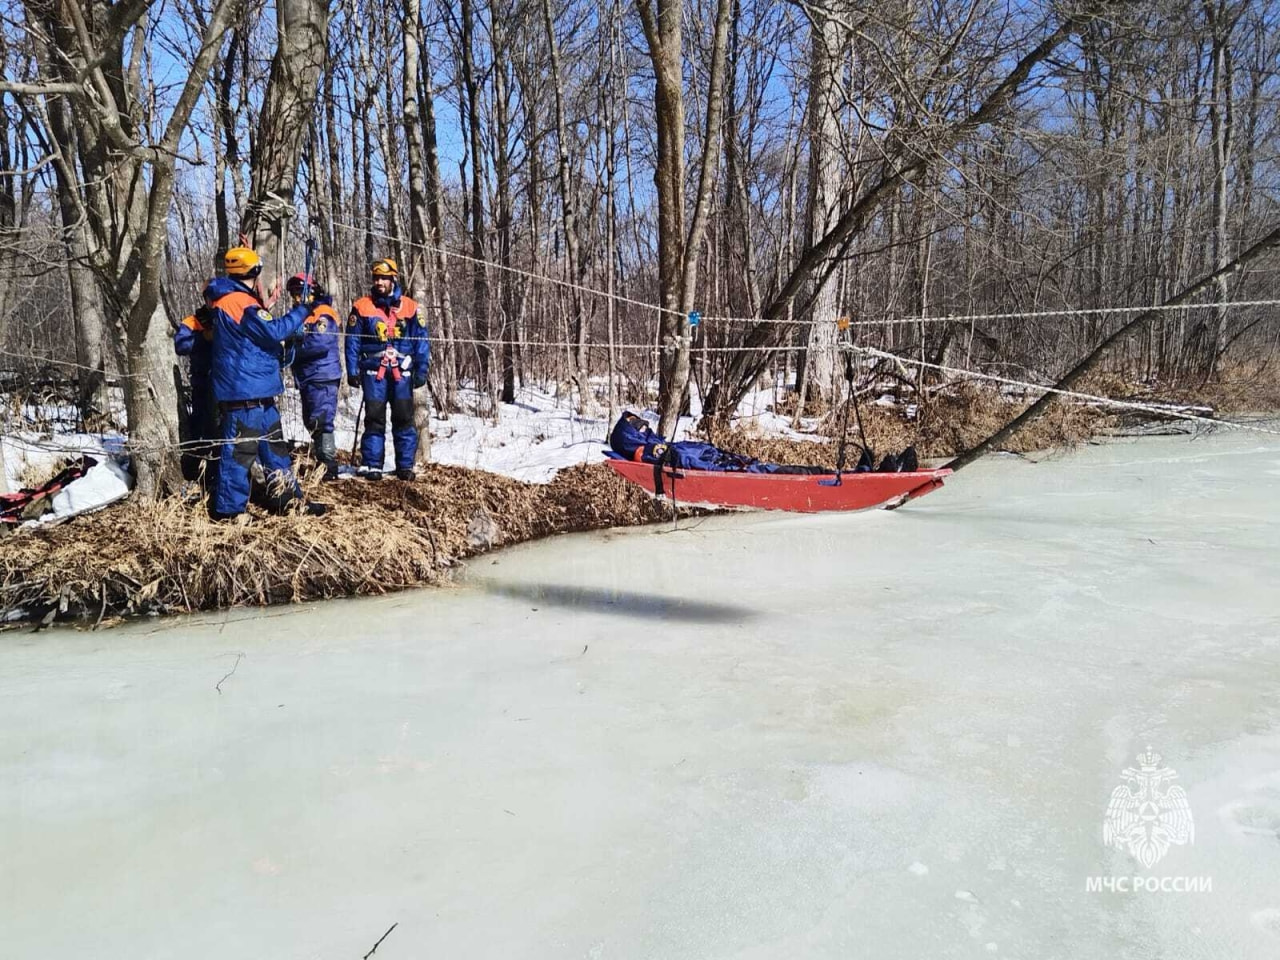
x: 626, y: 603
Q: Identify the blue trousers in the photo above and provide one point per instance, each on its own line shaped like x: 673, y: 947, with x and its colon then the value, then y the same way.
x: 250, y: 434
x: 378, y: 395
x: 319, y: 404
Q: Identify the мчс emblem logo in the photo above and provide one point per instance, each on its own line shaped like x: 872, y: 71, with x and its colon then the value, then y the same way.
x: 1148, y: 813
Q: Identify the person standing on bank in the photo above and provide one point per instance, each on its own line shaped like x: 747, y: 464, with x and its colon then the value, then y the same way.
x: 247, y: 354
x: 194, y: 339
x: 317, y: 370
x: 388, y: 355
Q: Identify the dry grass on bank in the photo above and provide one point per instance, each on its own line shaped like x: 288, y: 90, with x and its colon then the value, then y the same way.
x: 949, y: 424
x: 169, y: 557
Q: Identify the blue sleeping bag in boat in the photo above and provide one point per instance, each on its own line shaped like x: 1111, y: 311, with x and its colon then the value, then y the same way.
x: 633, y: 439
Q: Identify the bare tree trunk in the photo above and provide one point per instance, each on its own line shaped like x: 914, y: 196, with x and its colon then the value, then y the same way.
x: 334, y: 277
x: 447, y: 362
x: 827, y: 44
x: 479, y: 279
x: 678, y: 251
x: 419, y: 229
x: 93, y: 340
x: 502, y: 175
x: 1222, y: 23
x: 128, y: 190
x: 228, y: 158
x: 568, y: 205
x: 288, y: 103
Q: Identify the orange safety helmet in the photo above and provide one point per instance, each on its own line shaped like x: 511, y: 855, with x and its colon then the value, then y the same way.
x: 386, y: 267
x: 242, y: 263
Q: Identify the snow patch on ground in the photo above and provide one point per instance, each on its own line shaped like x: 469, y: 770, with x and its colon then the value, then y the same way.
x: 538, y: 435
x: 103, y: 484
x: 30, y: 456
x: 530, y: 440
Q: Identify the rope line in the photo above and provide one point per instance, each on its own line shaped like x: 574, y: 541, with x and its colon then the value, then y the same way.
x: 69, y: 363
x: 516, y: 270
x: 1017, y: 315
x: 714, y: 318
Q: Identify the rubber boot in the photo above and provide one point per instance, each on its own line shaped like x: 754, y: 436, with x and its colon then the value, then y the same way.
x: 327, y: 453
x: 406, y: 475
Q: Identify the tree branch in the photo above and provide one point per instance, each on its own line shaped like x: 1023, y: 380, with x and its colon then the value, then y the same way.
x: 40, y: 89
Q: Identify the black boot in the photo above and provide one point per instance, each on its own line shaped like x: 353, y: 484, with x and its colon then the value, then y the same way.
x: 327, y: 453
x: 405, y: 475
x: 315, y: 509
x: 908, y: 462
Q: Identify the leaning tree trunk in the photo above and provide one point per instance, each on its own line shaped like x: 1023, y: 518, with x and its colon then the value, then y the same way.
x: 290, y: 99
x: 894, y: 172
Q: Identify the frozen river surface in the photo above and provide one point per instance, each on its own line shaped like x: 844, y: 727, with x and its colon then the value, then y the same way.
x: 881, y: 735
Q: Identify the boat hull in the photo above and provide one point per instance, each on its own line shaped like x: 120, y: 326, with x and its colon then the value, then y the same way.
x: 782, y: 491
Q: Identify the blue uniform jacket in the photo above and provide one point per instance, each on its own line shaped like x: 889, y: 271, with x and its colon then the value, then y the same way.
x: 316, y: 358
x: 194, y: 339
x: 637, y: 441
x: 246, y: 342
x: 381, y: 322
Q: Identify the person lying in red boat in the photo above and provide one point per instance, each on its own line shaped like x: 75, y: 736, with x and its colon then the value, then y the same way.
x: 633, y: 439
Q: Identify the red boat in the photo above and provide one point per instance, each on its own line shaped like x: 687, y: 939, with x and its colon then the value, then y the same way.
x: 781, y: 491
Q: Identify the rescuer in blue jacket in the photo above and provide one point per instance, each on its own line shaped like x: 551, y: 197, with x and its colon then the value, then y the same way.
x: 194, y: 340
x: 247, y: 352
x: 388, y: 355
x: 317, y: 370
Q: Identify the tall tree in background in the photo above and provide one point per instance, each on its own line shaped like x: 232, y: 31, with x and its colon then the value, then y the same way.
x: 678, y: 250
x: 128, y: 181
x: 828, y: 34
x: 302, y: 28
x: 417, y: 265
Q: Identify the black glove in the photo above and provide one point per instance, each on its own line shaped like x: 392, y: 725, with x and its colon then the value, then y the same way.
x: 293, y: 340
x: 353, y: 380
